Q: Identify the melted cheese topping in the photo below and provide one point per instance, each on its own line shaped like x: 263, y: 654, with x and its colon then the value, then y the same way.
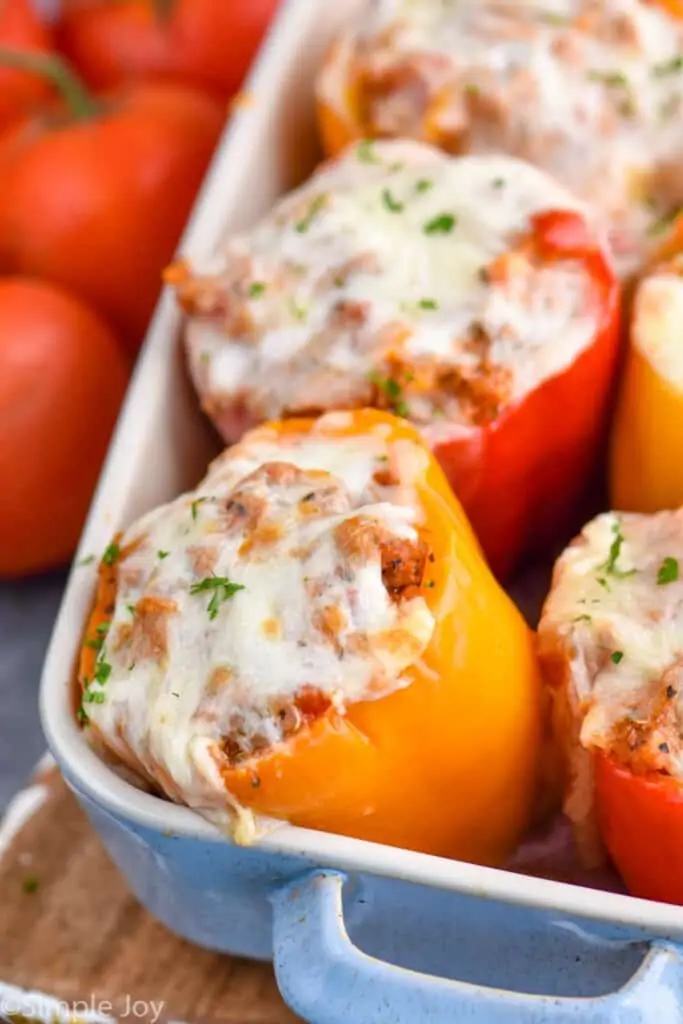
x: 616, y: 611
x: 202, y: 674
x: 590, y: 90
x: 398, y: 277
x: 657, y: 320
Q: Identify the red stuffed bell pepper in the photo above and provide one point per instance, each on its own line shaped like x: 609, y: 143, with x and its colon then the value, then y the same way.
x: 468, y: 295
x: 610, y: 646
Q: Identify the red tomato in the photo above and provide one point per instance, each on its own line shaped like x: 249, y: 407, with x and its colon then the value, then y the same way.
x: 210, y: 43
x: 122, y: 181
x: 21, y: 29
x: 641, y: 820
x: 62, y: 378
x: 521, y: 476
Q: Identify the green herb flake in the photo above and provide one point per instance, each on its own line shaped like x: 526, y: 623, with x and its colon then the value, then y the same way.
x: 441, y: 225
x: 610, y: 566
x: 498, y: 183
x: 102, y: 672
x: 30, y: 884
x: 174, y: 694
x: 102, y: 628
x: 424, y: 185
x: 668, y: 571
x: 582, y: 618
x: 365, y: 151
x: 112, y: 554
x: 161, y: 555
x: 297, y: 311
x: 131, y: 608
x: 221, y: 589
x: 428, y: 304
x: 616, y: 78
x: 471, y: 89
x: 256, y: 290
x: 195, y: 507
x: 95, y: 644
x: 93, y: 697
x: 314, y: 209
x: 616, y: 657
x: 393, y: 391
x: 86, y: 560
x: 82, y: 715
x: 668, y: 67
x: 603, y: 583
x: 393, y: 205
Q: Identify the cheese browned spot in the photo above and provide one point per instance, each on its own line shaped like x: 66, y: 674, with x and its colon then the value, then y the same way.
x: 590, y: 91
x: 289, y: 587
x: 412, y: 283
x: 611, y: 642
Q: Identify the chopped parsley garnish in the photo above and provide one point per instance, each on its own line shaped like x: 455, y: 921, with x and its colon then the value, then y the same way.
x: 616, y: 657
x: 617, y: 78
x: 93, y: 697
x: 668, y: 67
x: 498, y: 183
x: 131, y: 608
x: 472, y: 89
x: 582, y: 618
x: 174, y: 694
x: 393, y: 391
x: 95, y: 643
x: 87, y: 560
x: 614, y: 552
x: 665, y: 221
x: 424, y: 185
x: 30, y: 884
x: 82, y: 715
x: 256, y: 289
x: 102, y: 628
x: 195, y: 507
x: 365, y: 151
x: 163, y: 554
x: 441, y: 225
x: 668, y: 571
x: 221, y: 589
x: 111, y: 554
x: 393, y: 205
x: 428, y: 304
x: 603, y: 583
x: 314, y: 209
x: 102, y: 672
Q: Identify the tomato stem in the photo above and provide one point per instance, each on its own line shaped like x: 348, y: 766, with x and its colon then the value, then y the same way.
x: 57, y: 71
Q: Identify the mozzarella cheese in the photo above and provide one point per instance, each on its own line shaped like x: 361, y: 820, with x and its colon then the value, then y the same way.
x: 657, y: 320
x: 590, y: 90
x: 239, y: 604
x: 611, y: 639
x: 396, y: 276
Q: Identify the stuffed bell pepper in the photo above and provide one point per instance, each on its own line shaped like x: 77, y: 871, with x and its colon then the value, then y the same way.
x: 470, y: 296
x: 646, y: 463
x: 590, y: 92
x: 611, y: 647
x: 314, y: 636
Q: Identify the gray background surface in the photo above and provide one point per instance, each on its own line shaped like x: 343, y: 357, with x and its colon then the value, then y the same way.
x: 27, y: 611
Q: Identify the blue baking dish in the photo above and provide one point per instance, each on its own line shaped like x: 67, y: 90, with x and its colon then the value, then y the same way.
x: 357, y: 932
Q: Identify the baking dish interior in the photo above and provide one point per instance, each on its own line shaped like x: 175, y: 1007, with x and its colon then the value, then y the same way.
x: 162, y: 446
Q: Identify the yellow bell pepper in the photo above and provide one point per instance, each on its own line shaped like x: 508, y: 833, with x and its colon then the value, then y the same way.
x: 447, y: 764
x: 646, y: 464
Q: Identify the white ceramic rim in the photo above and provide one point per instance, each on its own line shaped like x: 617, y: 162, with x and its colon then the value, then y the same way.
x: 103, y: 786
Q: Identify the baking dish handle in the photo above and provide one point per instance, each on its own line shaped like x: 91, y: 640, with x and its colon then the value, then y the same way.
x: 327, y: 980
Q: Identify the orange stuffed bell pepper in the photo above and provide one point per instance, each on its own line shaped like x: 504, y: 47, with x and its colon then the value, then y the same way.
x: 313, y: 635
x: 646, y: 467
x: 609, y: 643
x: 471, y: 296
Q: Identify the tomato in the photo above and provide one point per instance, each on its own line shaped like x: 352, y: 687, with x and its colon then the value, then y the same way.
x: 62, y: 378
x: 540, y: 453
x: 122, y: 177
x: 210, y: 43
x: 21, y: 29
x: 641, y: 820
x: 448, y: 763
